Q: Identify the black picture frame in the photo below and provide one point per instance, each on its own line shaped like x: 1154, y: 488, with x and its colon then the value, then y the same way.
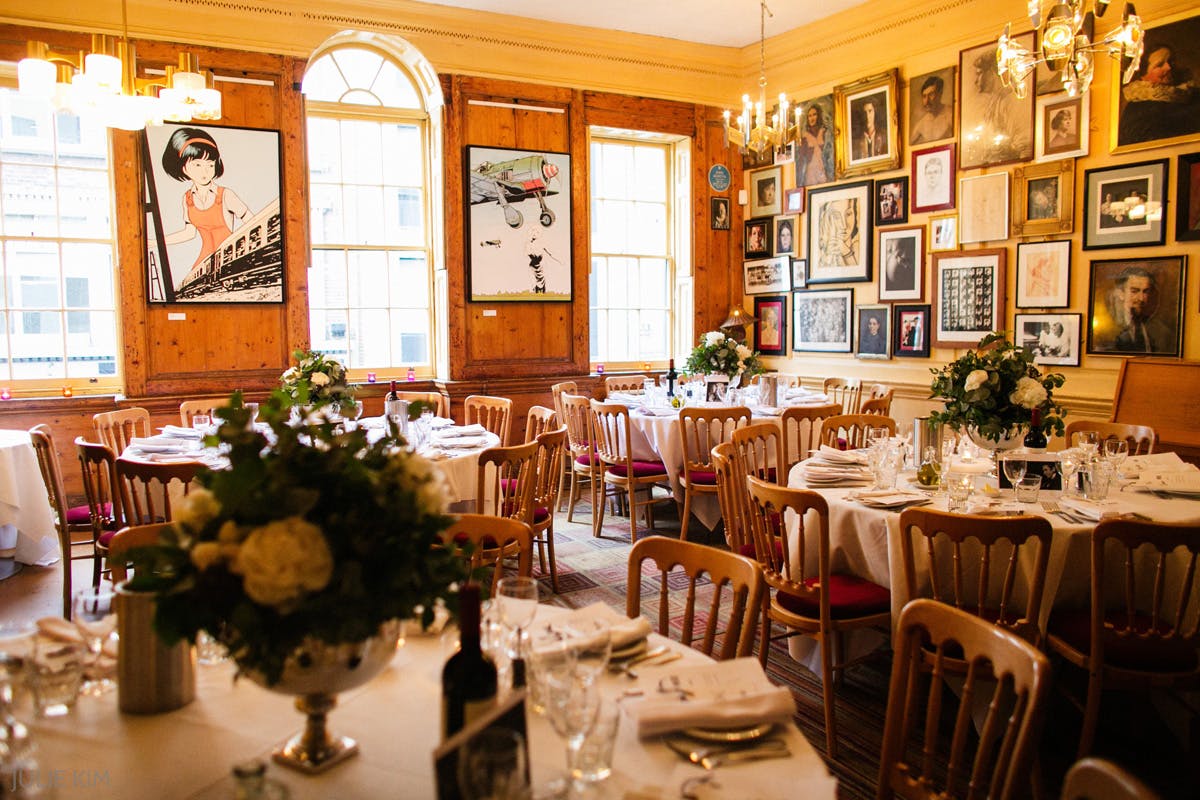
x: 840, y: 233
x: 822, y: 321
x: 718, y: 217
x: 910, y: 330
x: 770, y: 332
x: 1111, y: 298
x: 1107, y: 221
x: 757, y: 237
x: 1053, y: 338
x: 1187, y: 198
x: 891, y: 200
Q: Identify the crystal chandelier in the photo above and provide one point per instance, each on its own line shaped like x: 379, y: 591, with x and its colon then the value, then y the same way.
x: 1069, y: 45
x: 753, y: 131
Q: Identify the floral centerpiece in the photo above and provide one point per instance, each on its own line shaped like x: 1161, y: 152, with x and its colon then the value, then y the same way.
x: 995, y: 389
x: 718, y: 353
x: 316, y: 381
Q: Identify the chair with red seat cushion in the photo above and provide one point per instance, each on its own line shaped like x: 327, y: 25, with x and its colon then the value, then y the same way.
x: 485, y: 540
x: 731, y: 495
x: 1142, y: 629
x: 505, y: 481
x: 98, y: 467
x: 611, y: 434
x: 581, y: 454
x: 700, y: 430
x: 67, y: 523
x: 547, y: 469
x: 810, y: 599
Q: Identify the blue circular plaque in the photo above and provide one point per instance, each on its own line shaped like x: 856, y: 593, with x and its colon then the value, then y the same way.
x: 718, y: 177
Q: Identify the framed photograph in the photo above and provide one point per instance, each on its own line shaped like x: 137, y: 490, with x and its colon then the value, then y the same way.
x: 867, y: 122
x: 1117, y: 204
x: 770, y: 334
x: 1160, y: 106
x: 891, y: 201
x: 719, y: 213
x: 874, y: 331
x: 518, y: 225
x: 902, y: 264
x: 910, y: 331
x: 757, y: 237
x: 1187, y: 198
x: 931, y: 107
x: 787, y: 235
x: 786, y: 154
x: 1061, y: 127
x: 968, y: 296
x: 933, y: 179
x: 814, y: 149
x: 196, y: 250
x: 839, y: 233
x: 996, y: 126
x: 793, y: 201
x: 943, y: 233
x: 766, y: 192
x: 1052, y: 338
x: 983, y: 208
x: 799, y: 273
x: 1136, y: 306
x: 767, y: 275
x: 821, y: 320
x: 1044, y: 274
x: 1043, y: 198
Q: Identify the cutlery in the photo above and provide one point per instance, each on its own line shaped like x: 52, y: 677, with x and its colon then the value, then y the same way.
x: 623, y: 666
x: 1051, y: 507
x: 767, y: 748
x: 755, y: 754
x: 656, y: 662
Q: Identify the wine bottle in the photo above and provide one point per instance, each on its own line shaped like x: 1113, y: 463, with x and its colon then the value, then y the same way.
x: 469, y: 678
x: 391, y: 402
x: 1035, y: 440
x: 672, y: 376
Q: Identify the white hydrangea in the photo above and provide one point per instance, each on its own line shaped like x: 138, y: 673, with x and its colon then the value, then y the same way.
x: 198, y: 508
x: 713, y: 338
x: 319, y: 379
x: 283, y: 560
x: 1028, y: 394
x: 975, y: 379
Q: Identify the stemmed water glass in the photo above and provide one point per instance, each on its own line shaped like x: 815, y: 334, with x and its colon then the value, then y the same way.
x: 1014, y: 470
x: 95, y: 615
x: 1116, y: 451
x: 517, y: 599
x: 1088, y: 442
x: 572, y: 705
x: 591, y: 641
x: 1068, y: 463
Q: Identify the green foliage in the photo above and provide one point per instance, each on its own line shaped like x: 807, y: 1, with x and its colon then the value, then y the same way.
x: 317, y: 381
x: 717, y: 353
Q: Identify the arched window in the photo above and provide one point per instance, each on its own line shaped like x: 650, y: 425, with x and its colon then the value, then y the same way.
x: 373, y: 105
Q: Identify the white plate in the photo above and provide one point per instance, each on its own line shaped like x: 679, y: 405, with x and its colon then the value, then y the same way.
x: 158, y: 448
x: 629, y: 650
x: 743, y: 734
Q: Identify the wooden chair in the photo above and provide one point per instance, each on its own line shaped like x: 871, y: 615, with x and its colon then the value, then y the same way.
x: 190, y: 408
x: 700, y: 429
x: 539, y: 420
x: 730, y: 494
x: 849, y: 431
x: 988, y: 760
x: 72, y: 523
x: 505, y: 481
x: 877, y: 405
x: 436, y: 400
x: 847, y: 392
x: 1142, y: 438
x: 976, y: 564
x: 484, y: 541
x: 741, y: 575
x: 813, y: 601
x: 802, y: 429
x: 493, y: 413
x: 551, y: 446
x: 760, y: 446
x: 874, y: 391
x: 98, y: 467
x: 585, y: 466
x: 116, y: 428
x: 1101, y: 779
x: 145, y: 488
x: 125, y: 540
x: 611, y: 434
x: 556, y: 393
x: 622, y: 383
x: 1141, y: 630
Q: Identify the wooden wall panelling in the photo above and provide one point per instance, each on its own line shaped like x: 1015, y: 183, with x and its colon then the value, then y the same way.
x: 718, y: 256
x: 641, y: 113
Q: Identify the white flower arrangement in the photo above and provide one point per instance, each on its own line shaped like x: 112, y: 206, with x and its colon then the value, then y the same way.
x: 719, y: 354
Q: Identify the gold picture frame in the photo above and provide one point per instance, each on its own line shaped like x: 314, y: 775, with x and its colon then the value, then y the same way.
x: 866, y: 118
x: 1043, y: 199
x: 943, y: 233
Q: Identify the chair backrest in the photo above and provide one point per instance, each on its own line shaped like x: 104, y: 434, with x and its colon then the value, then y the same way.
x: 875, y: 390
x: 558, y: 390
x: 493, y: 413
x: 802, y: 429
x: 851, y: 429
x: 730, y: 494
x: 701, y: 429
x: 741, y: 575
x: 881, y: 405
x: 993, y: 567
x: 760, y: 448
x: 539, y: 420
x: 547, y: 474
x: 436, y: 400
x: 98, y: 466
x: 845, y: 391
x: 47, y: 457
x: 505, y: 483
x: 116, y: 428
x: 610, y: 433
x: 125, y: 540
x: 145, y: 488
x: 620, y: 383
x: 1142, y: 438
x: 190, y: 408
x: 1101, y: 779
x: 786, y: 560
x: 484, y: 541
x: 577, y: 416
x: 1008, y: 677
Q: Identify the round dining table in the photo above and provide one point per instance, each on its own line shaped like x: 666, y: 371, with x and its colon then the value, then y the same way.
x: 27, y: 527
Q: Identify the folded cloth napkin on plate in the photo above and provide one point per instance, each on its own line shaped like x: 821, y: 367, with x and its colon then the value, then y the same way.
x: 767, y: 411
x: 463, y: 443
x: 832, y: 454
x: 1183, y: 481
x: 460, y: 430
x: 1090, y: 509
x: 658, y: 411
x: 888, y: 498
x: 157, y: 444
x: 61, y: 630
x: 176, y: 432
x: 437, y: 423
x: 1161, y: 462
x: 721, y: 695
x: 623, y: 630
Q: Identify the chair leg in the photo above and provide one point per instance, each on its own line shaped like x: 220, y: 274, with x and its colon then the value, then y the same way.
x: 827, y: 692
x: 550, y: 555
x: 598, y: 503
x: 1091, y: 715
x: 764, y: 647
x: 632, y: 513
x: 67, y: 581
x: 686, y: 514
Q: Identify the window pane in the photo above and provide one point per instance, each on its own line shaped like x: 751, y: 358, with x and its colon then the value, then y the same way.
x: 364, y: 215
x: 369, y: 338
x: 325, y: 213
x: 368, y: 279
x: 327, y: 279
x: 89, y: 267
x: 410, y: 281
x: 30, y: 200
x: 324, y: 149
x: 395, y: 90
x: 405, y: 160
x: 362, y: 151
x: 359, y: 66
x: 84, y: 203
x: 91, y: 344
x: 323, y: 81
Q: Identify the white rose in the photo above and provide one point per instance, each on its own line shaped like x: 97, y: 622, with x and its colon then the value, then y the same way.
x: 743, y: 352
x: 205, y: 554
x: 198, y: 508
x: 319, y: 379
x: 1028, y: 394
x: 713, y: 338
x: 290, y: 374
x: 282, y: 560
x: 976, y: 379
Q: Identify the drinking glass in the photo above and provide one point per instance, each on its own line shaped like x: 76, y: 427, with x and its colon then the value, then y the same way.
x: 253, y: 409
x: 550, y: 659
x: 1097, y: 478
x: 18, y: 648
x: 1116, y: 451
x: 592, y: 761
x: 1087, y: 442
x: 1068, y: 463
x: 1014, y: 470
x: 491, y: 766
x: 95, y: 615
x: 592, y: 642
x: 958, y: 491
x: 1027, y: 488
x: 55, y: 678
x: 201, y: 422
x: 517, y: 600
x: 572, y: 706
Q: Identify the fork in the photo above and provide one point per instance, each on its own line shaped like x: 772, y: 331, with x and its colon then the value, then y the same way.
x: 1052, y: 507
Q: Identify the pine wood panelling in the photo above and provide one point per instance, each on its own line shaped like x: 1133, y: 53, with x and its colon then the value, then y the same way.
x: 623, y: 111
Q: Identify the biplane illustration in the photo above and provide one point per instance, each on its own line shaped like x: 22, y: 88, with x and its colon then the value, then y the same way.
x: 512, y: 181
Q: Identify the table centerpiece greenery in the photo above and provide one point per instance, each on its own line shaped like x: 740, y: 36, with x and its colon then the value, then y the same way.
x: 316, y: 381
x: 720, y: 354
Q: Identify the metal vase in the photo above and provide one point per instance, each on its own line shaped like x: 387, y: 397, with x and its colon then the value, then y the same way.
x: 927, y: 433
x: 151, y: 677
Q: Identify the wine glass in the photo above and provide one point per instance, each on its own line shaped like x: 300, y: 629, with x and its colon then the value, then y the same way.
x: 517, y: 599
x: 95, y: 615
x: 1014, y: 470
x: 572, y: 706
x: 1087, y: 442
x: 591, y: 640
x: 1116, y: 451
x: 1068, y: 463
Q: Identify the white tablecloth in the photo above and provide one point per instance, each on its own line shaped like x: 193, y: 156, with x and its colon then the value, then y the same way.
x: 26, y: 519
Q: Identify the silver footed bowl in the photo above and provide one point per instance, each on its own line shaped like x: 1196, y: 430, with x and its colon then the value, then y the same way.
x: 318, y: 667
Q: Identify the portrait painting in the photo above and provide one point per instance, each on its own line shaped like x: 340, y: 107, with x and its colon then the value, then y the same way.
x: 874, y: 331
x: 766, y: 192
x: 1118, y: 202
x: 787, y: 235
x: 767, y: 275
x: 968, y: 296
x: 1043, y: 198
x: 933, y: 179
x: 1052, y: 338
x: 943, y: 233
x: 719, y: 213
x: 866, y: 120
x: 214, y: 229
x: 983, y: 208
x: 770, y: 333
x: 839, y: 233
x: 891, y: 201
x: 757, y: 238
x: 1044, y: 274
x: 1161, y: 104
x: 1136, y: 306
x: 931, y: 107
x: 995, y: 126
x: 815, y: 140
x: 821, y: 320
x: 902, y: 263
x: 1061, y: 127
x: 1187, y: 198
x: 910, y: 331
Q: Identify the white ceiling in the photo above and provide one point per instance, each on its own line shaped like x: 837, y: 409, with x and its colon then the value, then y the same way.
x: 729, y: 23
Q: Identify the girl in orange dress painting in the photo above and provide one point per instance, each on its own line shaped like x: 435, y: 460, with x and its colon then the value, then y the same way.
x: 192, y: 155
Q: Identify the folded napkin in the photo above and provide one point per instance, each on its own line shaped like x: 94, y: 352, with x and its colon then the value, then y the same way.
x: 721, y: 695
x: 1160, y: 462
x: 177, y: 432
x: 1090, y: 509
x: 463, y: 443
x: 623, y: 630
x: 658, y: 411
x: 975, y: 466
x: 61, y: 630
x: 437, y: 423
x: 157, y: 444
x: 455, y: 431
x: 767, y: 411
x: 888, y: 498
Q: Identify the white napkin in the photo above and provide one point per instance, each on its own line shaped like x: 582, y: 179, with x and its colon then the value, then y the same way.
x: 725, y: 694
x: 835, y: 456
x: 623, y: 630
x: 463, y: 443
x: 157, y: 444
x: 658, y: 411
x: 887, y: 498
x: 61, y: 630
x: 177, y: 432
x: 456, y: 431
x: 1090, y: 509
x: 767, y: 411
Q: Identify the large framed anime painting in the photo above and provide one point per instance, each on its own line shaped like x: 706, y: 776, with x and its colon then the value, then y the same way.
x: 214, y: 232
x: 518, y: 220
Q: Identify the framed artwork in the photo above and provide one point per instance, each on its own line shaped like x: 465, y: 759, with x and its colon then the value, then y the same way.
x: 814, y: 148
x: 995, y: 125
x: 910, y: 331
x: 719, y: 213
x: 1136, y: 306
x: 902, y: 263
x: 786, y: 154
x: 867, y: 121
x: 874, y: 331
x: 1044, y: 274
x: 1117, y: 204
x: 767, y: 275
x: 757, y: 237
x: 839, y: 233
x: 943, y: 233
x: 793, y: 201
x: 766, y: 192
x: 1187, y: 198
x: 983, y: 208
x: 821, y: 320
x: 933, y: 179
x: 1043, y: 198
x: 196, y: 250
x: 799, y: 273
x: 518, y: 225
x: 1160, y: 106
x: 1052, y: 338
x: 891, y: 201
x: 770, y: 334
x: 968, y: 296
x: 931, y: 107
x: 1061, y: 126
x: 787, y: 235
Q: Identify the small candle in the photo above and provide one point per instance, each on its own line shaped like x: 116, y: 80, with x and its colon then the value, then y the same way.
x: 370, y: 377
x: 5, y: 394
x: 412, y: 374
x: 599, y: 369
x: 67, y: 391
x: 645, y: 366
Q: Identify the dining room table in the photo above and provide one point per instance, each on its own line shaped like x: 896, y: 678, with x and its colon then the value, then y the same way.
x: 27, y: 529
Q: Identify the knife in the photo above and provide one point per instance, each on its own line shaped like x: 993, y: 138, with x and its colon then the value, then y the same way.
x: 749, y: 754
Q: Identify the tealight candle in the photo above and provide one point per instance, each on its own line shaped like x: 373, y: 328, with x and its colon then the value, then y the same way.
x: 370, y: 377
x: 5, y: 394
x: 67, y: 391
x: 599, y: 369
